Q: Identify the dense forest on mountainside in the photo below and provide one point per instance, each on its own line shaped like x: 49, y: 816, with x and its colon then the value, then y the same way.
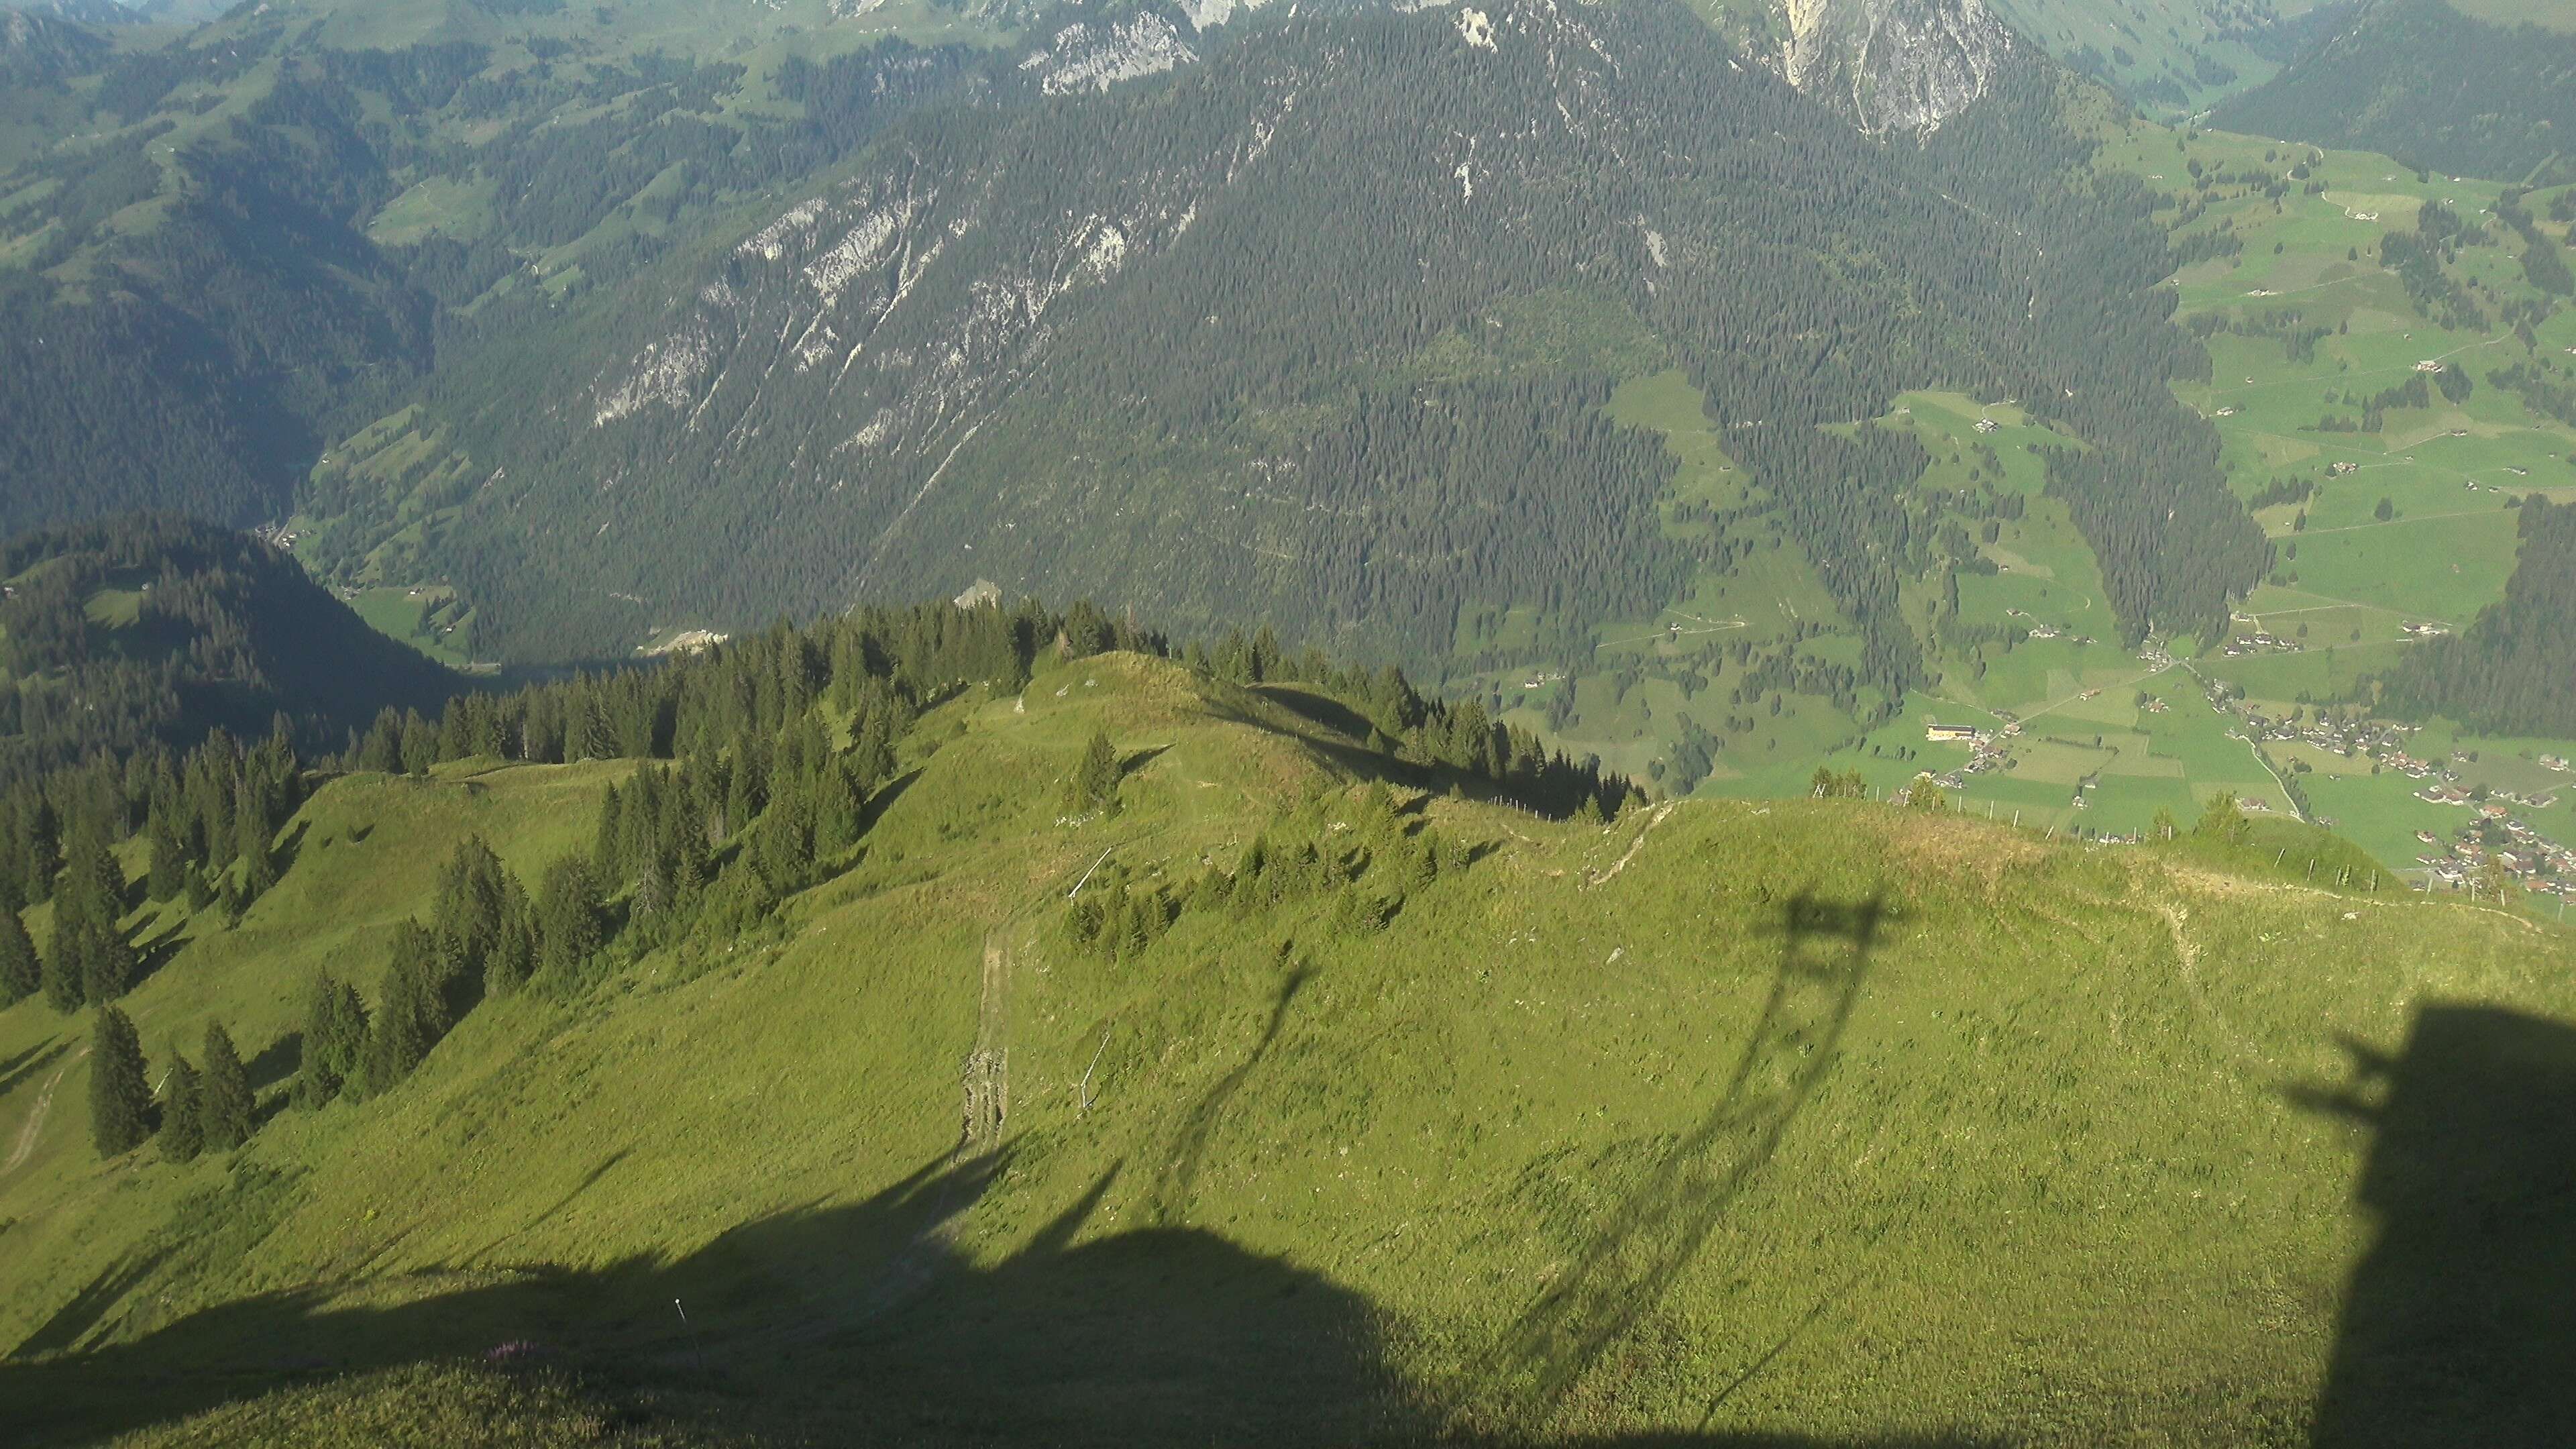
x: 2434, y: 88
x: 2513, y: 672
x: 1364, y: 490
x: 1183, y: 337
x: 196, y: 303
x: 153, y: 628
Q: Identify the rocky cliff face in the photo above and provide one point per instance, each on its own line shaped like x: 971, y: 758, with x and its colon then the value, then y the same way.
x: 1892, y: 65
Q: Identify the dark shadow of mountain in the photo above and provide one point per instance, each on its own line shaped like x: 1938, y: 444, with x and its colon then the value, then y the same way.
x: 1146, y: 1337
x: 2459, y: 1325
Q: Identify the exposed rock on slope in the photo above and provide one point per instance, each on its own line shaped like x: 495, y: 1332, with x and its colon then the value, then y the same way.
x: 1893, y: 65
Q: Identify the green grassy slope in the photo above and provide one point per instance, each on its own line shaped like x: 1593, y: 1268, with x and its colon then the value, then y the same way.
x: 1825, y: 1121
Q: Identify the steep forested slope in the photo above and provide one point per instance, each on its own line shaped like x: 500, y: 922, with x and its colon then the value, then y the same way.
x: 219, y: 250
x: 1180, y: 337
x: 2420, y: 81
x: 155, y: 628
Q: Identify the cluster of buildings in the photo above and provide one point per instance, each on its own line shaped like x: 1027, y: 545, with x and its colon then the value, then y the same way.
x: 1988, y: 750
x: 2498, y: 842
x: 2259, y: 641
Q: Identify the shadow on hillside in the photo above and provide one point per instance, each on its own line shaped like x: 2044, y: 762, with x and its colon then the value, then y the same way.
x: 276, y: 1062
x: 29, y: 1062
x: 861, y: 1324
x: 884, y: 799
x: 1179, y: 1181
x: 1657, y: 1232
x: 2459, y: 1325
x: 1318, y: 708
x: 152, y: 952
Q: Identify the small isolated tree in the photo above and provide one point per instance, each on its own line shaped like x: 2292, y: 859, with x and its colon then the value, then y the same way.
x: 21, y: 974
x: 2222, y: 820
x: 2386, y: 510
x: 183, y: 1123
x: 228, y: 1109
x: 1925, y: 796
x: 1095, y: 780
x: 120, y: 1093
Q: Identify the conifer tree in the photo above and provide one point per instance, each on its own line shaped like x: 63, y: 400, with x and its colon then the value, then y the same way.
x: 872, y: 755
x: 229, y: 1110
x: 1095, y: 780
x: 108, y: 964
x: 169, y: 865
x: 21, y: 974
x: 410, y: 1013
x: 514, y: 948
x: 183, y: 1124
x: 259, y: 865
x: 2222, y: 819
x: 836, y: 810
x: 606, y: 858
x: 569, y: 929
x: 335, y: 1041
x: 120, y: 1092
x: 62, y: 975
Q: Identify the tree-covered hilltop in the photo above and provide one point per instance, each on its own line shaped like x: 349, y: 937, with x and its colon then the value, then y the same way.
x: 153, y: 628
x: 2420, y: 81
x: 764, y: 756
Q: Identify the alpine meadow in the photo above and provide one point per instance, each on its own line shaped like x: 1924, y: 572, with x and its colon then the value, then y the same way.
x: 1756, y: 724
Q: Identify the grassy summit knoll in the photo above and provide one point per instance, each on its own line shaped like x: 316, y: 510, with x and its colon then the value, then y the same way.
x: 1820, y: 1122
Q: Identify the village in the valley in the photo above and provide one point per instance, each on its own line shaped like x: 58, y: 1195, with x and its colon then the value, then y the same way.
x: 2500, y: 842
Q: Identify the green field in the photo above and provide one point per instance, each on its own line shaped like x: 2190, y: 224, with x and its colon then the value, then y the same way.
x: 419, y: 617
